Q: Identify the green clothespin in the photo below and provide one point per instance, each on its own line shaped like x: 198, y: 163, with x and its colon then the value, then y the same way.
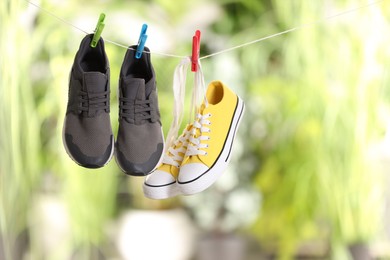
x: 98, y: 30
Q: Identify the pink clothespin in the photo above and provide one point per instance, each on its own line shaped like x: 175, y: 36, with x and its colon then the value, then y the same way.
x: 195, y: 51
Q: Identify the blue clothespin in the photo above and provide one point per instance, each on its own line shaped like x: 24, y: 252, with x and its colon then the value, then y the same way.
x: 141, y: 41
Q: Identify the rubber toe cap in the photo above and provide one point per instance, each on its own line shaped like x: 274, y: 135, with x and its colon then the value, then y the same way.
x: 191, y: 172
x: 159, y: 178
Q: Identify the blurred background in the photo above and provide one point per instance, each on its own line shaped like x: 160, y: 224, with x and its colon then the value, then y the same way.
x: 309, y: 176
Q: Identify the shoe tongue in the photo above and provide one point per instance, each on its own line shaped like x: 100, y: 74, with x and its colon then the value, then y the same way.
x: 94, y: 82
x: 134, y: 88
x: 149, y: 87
x: 201, y: 108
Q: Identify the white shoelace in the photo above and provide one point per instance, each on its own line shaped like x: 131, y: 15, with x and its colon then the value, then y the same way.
x: 179, y: 85
x: 198, y: 93
x: 173, y: 156
x: 200, y: 127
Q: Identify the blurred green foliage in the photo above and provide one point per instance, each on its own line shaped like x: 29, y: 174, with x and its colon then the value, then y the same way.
x: 316, y: 106
x: 19, y: 135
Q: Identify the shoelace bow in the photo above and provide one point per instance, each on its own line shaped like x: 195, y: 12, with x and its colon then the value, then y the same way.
x: 195, y: 145
x: 142, y: 108
x: 173, y: 156
x: 94, y: 101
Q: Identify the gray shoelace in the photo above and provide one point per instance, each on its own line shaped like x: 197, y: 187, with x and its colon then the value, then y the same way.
x: 138, y: 109
x: 93, y: 102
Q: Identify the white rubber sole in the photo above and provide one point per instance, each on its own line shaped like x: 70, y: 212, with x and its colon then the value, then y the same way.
x: 162, y: 192
x: 206, y: 179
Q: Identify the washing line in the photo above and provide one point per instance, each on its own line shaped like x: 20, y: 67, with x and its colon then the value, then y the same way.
x: 299, y: 27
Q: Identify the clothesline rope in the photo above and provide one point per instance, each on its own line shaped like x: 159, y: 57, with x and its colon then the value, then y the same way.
x: 106, y: 40
x: 311, y: 24
x: 55, y: 16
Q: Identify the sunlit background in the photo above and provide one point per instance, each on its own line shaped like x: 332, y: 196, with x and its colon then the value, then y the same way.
x: 309, y: 173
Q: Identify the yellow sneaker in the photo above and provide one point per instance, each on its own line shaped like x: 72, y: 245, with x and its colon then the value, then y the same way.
x: 161, y: 183
x: 212, y: 135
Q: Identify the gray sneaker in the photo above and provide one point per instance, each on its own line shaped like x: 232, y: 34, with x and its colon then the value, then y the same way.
x: 140, y: 140
x: 87, y: 133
